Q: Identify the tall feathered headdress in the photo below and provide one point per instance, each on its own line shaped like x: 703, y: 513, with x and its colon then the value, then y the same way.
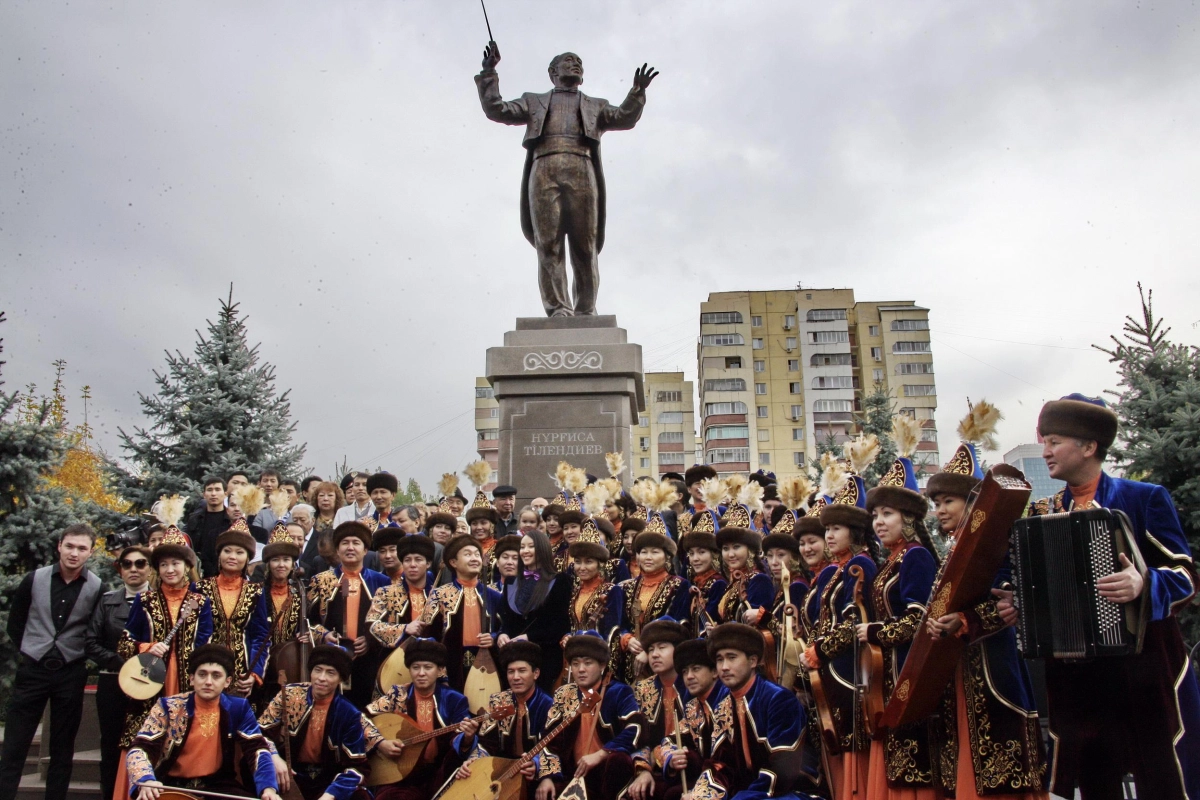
x: 979, y: 426
x: 447, y: 486
x: 794, y: 491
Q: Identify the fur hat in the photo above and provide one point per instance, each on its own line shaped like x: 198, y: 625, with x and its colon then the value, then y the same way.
x: 238, y: 535
x: 521, y: 650
x: 281, y: 544
x: 647, y: 539
x: 213, y: 654
x: 606, y: 528
x: 808, y: 525
x: 898, y: 487
x: 511, y: 542
x: 332, y: 656
x: 632, y: 525
x: 430, y: 650
x: 845, y: 514
x: 571, y: 518
x: 697, y: 473
x: 706, y: 541
x: 384, y: 537
x: 416, y: 544
x: 352, y: 528
x: 441, y: 518
x: 692, y: 652
x: 383, y: 480
x: 175, y: 543
x: 1080, y: 417
x: 486, y: 512
x: 735, y: 636
x: 664, y: 629
x: 589, y: 550
x: 782, y: 541
x: 450, y: 551
x: 744, y: 536
x: 553, y: 510
x: 588, y: 644
x: 962, y: 473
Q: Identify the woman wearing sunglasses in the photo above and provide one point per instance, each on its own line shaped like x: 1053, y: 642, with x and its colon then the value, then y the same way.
x: 107, y: 625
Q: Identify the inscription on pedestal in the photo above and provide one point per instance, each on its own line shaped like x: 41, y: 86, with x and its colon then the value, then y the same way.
x: 562, y: 443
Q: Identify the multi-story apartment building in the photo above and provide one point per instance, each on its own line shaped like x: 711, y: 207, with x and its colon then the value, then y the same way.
x: 664, y: 440
x: 781, y: 372
x: 1028, y: 459
x: 487, y: 427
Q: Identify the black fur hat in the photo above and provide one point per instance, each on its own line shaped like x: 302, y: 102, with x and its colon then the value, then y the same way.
x: 430, y: 650
x: 521, y: 650
x: 213, y: 654
x: 736, y: 636
x: 332, y: 656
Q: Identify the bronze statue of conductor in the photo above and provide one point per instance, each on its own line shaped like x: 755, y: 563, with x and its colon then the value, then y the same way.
x: 562, y: 186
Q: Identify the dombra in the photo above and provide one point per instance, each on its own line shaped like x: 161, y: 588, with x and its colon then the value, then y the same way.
x: 143, y: 676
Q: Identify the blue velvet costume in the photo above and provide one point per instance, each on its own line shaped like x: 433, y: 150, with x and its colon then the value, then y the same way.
x: 343, y: 747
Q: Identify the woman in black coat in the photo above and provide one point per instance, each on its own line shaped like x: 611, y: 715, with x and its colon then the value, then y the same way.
x: 535, y: 605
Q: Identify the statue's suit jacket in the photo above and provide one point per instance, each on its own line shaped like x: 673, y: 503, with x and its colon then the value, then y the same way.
x: 530, y: 110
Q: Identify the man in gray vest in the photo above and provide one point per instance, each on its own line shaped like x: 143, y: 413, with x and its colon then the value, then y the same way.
x: 48, y: 622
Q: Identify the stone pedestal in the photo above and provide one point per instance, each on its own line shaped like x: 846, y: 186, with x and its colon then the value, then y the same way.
x: 568, y: 389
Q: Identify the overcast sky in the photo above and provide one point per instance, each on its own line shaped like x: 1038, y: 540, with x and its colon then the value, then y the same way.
x: 1015, y: 167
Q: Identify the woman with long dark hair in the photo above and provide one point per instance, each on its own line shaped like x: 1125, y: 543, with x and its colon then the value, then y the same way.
x: 535, y: 604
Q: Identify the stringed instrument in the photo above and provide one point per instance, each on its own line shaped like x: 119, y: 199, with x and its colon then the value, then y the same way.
x: 483, y: 680
x: 386, y: 770
x: 494, y: 778
x: 143, y: 676
x: 868, y: 677
x: 981, y: 542
x: 293, y: 792
x: 788, y: 654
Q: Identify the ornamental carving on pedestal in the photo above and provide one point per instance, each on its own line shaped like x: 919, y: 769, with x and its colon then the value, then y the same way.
x: 563, y: 359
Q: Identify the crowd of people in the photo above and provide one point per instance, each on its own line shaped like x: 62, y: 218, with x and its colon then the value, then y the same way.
x: 693, y: 637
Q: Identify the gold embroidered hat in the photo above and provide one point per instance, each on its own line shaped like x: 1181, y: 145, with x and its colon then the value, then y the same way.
x: 175, y: 543
x: 962, y: 472
x: 281, y: 544
x: 849, y: 507
x: 898, y: 487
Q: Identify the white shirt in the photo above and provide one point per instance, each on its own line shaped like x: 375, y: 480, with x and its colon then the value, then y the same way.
x: 351, y: 513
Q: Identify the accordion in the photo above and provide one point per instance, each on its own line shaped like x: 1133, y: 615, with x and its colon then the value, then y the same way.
x: 1057, y: 560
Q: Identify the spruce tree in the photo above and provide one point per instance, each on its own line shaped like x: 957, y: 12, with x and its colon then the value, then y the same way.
x: 212, y: 413
x: 1158, y: 403
x: 876, y: 417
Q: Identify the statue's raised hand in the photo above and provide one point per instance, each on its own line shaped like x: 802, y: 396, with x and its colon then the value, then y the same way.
x: 491, y: 55
x: 641, y: 77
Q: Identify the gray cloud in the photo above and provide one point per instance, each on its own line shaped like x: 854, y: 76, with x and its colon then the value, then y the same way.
x: 1015, y: 167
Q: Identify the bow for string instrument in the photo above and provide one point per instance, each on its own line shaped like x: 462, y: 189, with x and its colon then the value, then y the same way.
x: 868, y: 666
x: 398, y: 727
x: 291, y: 657
x: 293, y: 791
x: 144, y: 675
x: 494, y: 778
x: 791, y: 651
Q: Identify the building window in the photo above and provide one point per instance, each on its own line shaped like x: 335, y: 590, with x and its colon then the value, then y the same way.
x: 825, y: 314
x: 725, y: 385
x: 760, y: 366
x: 643, y: 422
x: 670, y: 458
x: 928, y: 434
x: 798, y: 459
x: 764, y: 459
x: 724, y: 408
x: 493, y: 413
x: 755, y: 322
x: 757, y: 344
x: 795, y: 388
x: 877, y: 375
x: 488, y: 434
x: 797, y: 412
x: 919, y: 390
x: 760, y: 388
x: 833, y: 382
x: 910, y: 324
x: 670, y: 417
x: 644, y: 442
x: 668, y: 397
x: 727, y: 432
x: 828, y: 406
x: 761, y: 411
x: 733, y: 362
x: 645, y: 463
x: 831, y: 360
x: 764, y: 435
x: 793, y: 365
x: 910, y: 347
x: 829, y: 337
x: 721, y: 339
x: 914, y: 368
x: 670, y: 437
x: 790, y: 343
x: 729, y: 455
x: 877, y: 353
x: 872, y: 330
x: 721, y: 318
x: 797, y: 434
x: 485, y: 392
x: 789, y: 321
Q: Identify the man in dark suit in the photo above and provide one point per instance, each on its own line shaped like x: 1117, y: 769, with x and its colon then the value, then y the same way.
x: 562, y: 186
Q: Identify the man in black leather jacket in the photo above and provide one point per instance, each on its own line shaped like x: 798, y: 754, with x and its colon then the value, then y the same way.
x: 104, y: 631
